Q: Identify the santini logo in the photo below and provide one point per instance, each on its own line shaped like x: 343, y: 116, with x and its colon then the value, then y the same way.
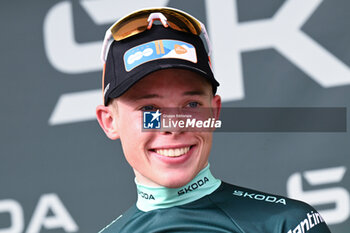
x: 312, y: 220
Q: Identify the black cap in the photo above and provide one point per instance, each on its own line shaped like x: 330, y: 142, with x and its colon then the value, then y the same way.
x: 133, y: 58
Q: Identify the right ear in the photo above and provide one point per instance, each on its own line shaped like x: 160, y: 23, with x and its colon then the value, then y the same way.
x: 107, y: 119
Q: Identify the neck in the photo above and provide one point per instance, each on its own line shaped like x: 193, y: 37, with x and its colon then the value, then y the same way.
x: 151, y: 198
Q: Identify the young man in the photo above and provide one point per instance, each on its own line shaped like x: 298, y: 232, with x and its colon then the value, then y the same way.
x: 158, y: 60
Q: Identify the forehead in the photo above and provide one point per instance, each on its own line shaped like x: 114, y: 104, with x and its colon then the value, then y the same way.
x: 170, y: 81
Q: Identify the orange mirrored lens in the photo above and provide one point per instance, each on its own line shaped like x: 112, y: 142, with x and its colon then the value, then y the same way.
x: 129, y: 28
x: 137, y: 22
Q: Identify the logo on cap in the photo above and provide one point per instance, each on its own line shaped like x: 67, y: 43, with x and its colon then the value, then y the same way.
x: 106, y: 89
x: 179, y: 49
x: 159, y: 49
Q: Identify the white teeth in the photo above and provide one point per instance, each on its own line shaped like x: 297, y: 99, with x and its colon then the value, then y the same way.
x: 173, y: 152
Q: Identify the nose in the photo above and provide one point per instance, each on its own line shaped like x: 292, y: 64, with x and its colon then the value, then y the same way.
x: 172, y: 123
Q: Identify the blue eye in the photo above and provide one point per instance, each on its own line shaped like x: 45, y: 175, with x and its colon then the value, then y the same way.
x: 148, y: 108
x: 193, y: 104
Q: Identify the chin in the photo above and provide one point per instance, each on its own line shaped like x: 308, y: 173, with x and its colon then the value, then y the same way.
x: 174, y: 184
x: 176, y: 180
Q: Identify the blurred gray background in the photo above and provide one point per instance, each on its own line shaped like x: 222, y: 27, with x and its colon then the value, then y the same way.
x: 60, y: 173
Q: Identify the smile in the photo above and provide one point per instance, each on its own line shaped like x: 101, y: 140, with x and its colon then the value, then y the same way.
x: 174, y: 152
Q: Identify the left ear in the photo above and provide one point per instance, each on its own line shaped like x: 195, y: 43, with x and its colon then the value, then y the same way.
x: 216, y: 105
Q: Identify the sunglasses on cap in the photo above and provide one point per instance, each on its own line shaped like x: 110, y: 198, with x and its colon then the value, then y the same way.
x: 142, y: 20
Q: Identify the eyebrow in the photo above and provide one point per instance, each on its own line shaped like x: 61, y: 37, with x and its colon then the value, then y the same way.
x: 148, y: 96
x: 197, y: 92
x: 190, y: 93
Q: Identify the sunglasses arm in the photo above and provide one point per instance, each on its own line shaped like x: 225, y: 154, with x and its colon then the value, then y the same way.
x: 206, y: 38
x: 108, y: 37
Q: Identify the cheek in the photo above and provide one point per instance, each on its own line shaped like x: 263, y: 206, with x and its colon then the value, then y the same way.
x: 129, y: 123
x: 133, y: 140
x: 133, y: 145
x: 207, y: 138
x: 129, y: 130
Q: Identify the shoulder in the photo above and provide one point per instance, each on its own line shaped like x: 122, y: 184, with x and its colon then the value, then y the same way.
x: 250, y: 197
x: 274, y: 212
x: 120, y: 221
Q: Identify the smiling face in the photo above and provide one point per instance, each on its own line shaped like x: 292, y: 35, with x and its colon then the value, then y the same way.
x: 169, y: 159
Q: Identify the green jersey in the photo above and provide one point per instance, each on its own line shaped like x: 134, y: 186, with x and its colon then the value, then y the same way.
x: 208, y: 205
